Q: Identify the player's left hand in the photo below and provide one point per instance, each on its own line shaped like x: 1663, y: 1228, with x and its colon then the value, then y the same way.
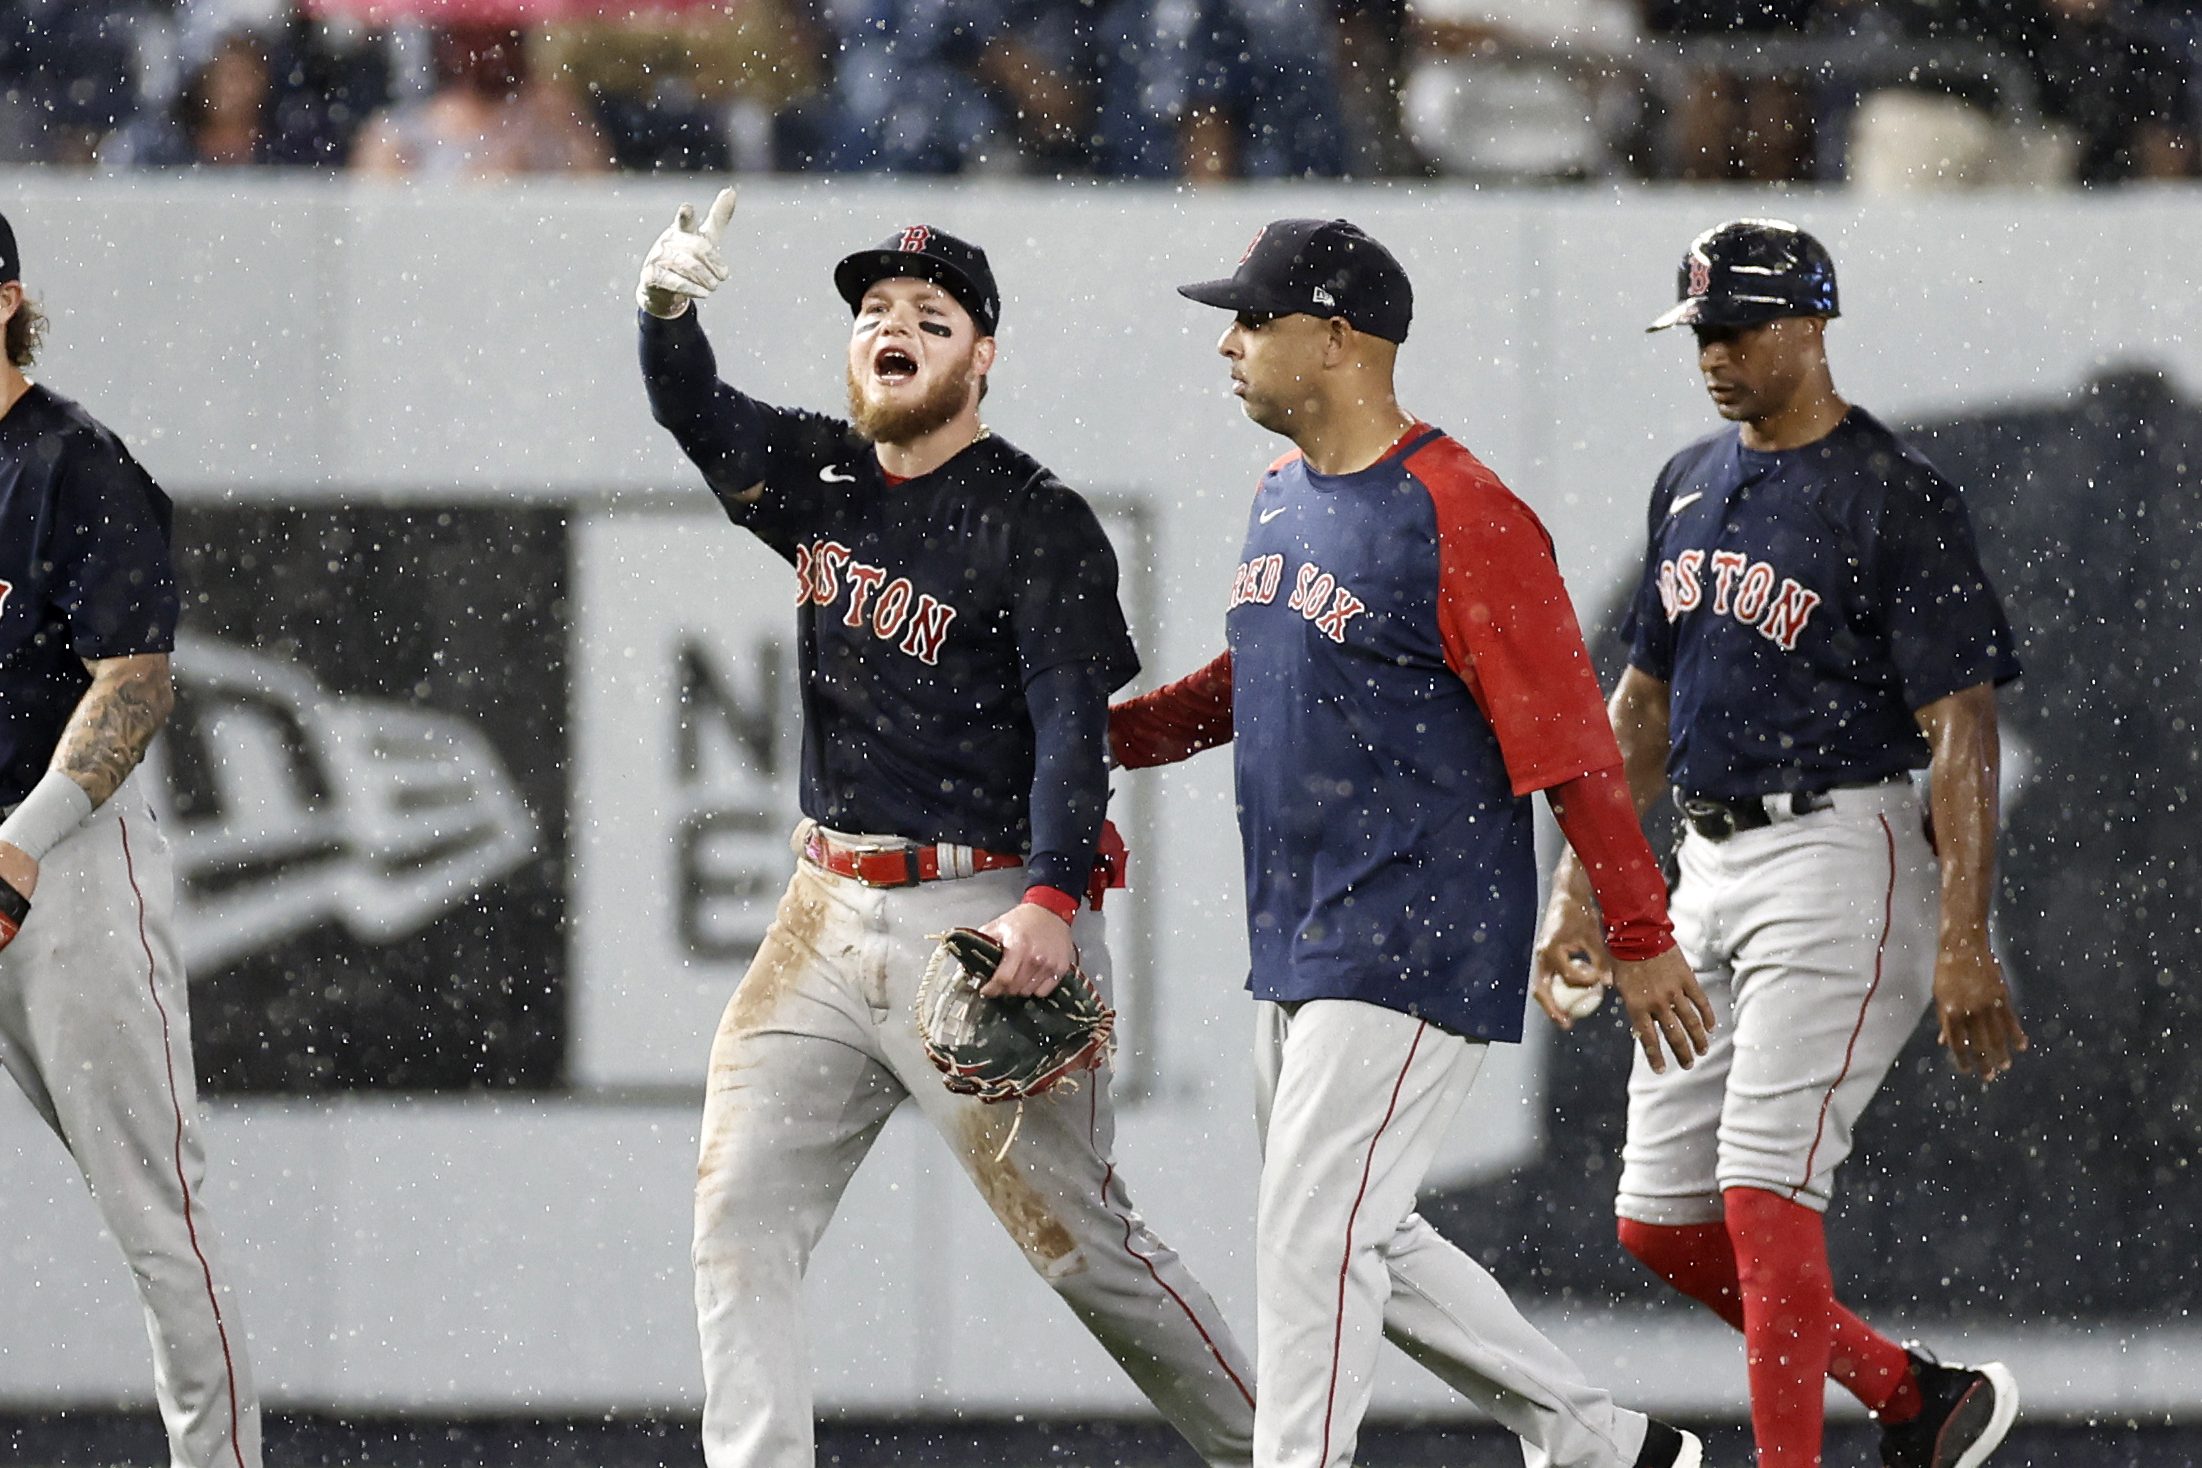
x: 1979, y: 1018
x: 1036, y: 951
x: 1665, y: 1002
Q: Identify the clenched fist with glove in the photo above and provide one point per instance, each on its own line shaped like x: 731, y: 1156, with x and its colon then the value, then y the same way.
x: 685, y: 265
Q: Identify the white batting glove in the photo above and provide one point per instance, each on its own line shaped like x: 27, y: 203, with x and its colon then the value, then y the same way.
x: 685, y: 264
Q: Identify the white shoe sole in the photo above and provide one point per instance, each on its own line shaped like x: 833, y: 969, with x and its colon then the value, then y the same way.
x: 1999, y: 1423
x: 1692, y: 1454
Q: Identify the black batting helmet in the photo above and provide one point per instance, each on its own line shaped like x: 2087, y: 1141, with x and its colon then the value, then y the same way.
x: 1751, y: 270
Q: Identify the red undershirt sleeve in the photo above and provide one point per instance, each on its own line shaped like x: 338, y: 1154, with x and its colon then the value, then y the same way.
x: 1176, y: 721
x: 1598, y: 818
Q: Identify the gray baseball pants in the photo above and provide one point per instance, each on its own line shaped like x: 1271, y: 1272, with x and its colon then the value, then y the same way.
x: 1352, y: 1100
x: 817, y: 1047
x: 95, y: 1028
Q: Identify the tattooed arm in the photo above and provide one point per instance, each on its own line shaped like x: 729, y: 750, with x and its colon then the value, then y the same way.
x: 116, y: 719
x: 105, y: 737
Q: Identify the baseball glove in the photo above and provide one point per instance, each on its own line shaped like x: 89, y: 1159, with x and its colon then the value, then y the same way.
x: 1013, y: 1047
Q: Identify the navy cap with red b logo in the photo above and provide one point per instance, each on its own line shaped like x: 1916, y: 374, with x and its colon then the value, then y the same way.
x: 925, y: 253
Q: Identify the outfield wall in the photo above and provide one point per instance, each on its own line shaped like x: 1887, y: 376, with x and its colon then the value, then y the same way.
x: 493, y: 706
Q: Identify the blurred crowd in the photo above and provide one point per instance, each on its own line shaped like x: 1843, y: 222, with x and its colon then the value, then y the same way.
x: 1885, y: 94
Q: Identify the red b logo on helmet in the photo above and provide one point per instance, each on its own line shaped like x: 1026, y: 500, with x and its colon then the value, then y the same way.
x: 1250, y: 244
x: 1701, y: 276
x: 916, y: 237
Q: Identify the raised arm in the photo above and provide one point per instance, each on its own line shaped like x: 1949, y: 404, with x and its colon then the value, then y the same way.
x: 711, y: 421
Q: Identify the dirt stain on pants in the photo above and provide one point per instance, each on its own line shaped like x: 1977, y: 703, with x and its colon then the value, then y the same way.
x: 1043, y: 1237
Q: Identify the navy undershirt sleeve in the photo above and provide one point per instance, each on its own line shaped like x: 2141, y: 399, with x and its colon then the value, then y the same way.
x: 1645, y: 627
x: 723, y: 430
x: 1070, y: 785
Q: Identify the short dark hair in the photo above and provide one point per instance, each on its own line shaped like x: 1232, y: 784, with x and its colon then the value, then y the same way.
x: 26, y: 333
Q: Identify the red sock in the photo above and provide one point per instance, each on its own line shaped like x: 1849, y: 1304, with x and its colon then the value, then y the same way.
x: 1696, y: 1258
x: 1699, y: 1259
x: 1788, y: 1295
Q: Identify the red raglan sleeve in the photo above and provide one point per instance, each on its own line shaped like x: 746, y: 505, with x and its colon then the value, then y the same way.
x: 1510, y: 632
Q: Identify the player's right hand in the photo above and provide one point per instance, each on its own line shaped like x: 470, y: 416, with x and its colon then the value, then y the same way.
x: 1036, y: 952
x: 685, y: 264
x: 1571, y: 949
x: 1665, y: 1003
x: 18, y: 880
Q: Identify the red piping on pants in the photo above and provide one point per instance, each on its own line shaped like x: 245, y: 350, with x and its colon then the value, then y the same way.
x: 1345, y: 1262
x: 1880, y: 953
x: 175, y: 1101
x: 1108, y: 1175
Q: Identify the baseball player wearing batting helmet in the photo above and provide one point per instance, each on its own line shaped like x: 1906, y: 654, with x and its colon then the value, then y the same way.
x: 1404, y: 671
x: 94, y: 1024
x: 959, y: 634
x: 1813, y: 625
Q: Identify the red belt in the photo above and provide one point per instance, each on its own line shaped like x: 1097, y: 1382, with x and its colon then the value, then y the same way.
x: 895, y: 866
x: 907, y: 866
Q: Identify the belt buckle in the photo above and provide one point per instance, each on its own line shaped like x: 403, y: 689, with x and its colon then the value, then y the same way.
x: 1710, y: 818
x: 910, y: 874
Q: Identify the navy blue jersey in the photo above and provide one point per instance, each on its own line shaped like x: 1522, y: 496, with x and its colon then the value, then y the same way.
x: 925, y: 607
x: 1405, y: 669
x: 1802, y: 604
x: 85, y: 572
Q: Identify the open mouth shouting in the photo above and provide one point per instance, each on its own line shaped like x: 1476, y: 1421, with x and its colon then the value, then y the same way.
x: 894, y: 365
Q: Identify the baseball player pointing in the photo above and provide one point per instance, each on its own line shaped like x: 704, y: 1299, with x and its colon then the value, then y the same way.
x: 959, y: 634
x: 1405, y: 671
x: 94, y: 1024
x: 1812, y: 626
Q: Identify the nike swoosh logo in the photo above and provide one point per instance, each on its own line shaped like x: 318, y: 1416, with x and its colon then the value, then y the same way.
x: 1685, y: 502
x: 1269, y: 515
x: 830, y: 477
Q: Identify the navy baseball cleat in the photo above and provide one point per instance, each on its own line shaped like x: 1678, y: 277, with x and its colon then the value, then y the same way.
x: 1967, y: 1412
x: 1669, y: 1447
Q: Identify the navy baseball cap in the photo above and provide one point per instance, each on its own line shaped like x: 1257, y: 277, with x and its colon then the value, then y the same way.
x: 10, y: 267
x: 925, y: 253
x: 1748, y: 271
x: 1316, y: 267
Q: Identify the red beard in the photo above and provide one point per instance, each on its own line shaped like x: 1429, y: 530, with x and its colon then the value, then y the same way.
x: 900, y: 422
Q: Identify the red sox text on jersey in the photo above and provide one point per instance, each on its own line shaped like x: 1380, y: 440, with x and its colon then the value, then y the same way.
x: 1742, y: 588
x: 893, y: 607
x: 1316, y: 594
